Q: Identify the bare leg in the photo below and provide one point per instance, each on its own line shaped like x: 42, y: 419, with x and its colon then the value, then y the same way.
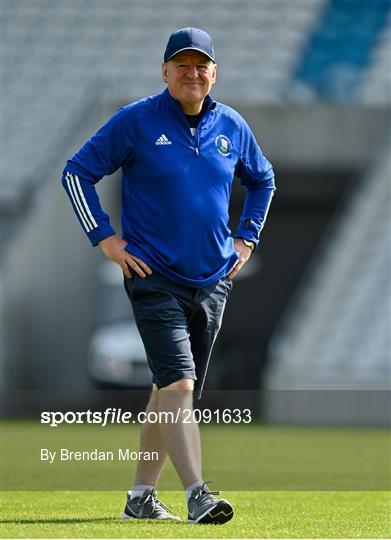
x: 181, y: 440
x: 148, y: 472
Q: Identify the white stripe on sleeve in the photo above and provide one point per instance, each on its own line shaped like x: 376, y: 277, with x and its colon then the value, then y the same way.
x: 76, y: 202
x: 266, y: 213
x: 87, y: 208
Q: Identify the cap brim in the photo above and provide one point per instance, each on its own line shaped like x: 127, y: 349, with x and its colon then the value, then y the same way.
x: 190, y: 49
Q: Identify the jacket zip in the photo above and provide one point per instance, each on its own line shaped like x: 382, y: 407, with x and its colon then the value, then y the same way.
x: 197, y: 132
x: 196, y: 138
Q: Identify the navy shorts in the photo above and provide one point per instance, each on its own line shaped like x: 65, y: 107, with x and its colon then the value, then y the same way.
x: 178, y: 325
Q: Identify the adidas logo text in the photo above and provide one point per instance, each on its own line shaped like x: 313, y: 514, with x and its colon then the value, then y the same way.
x: 163, y: 140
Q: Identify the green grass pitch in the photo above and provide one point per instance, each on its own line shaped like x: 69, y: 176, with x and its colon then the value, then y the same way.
x: 284, y: 482
x: 257, y: 515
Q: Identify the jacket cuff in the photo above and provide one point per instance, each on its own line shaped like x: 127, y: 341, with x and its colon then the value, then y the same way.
x: 247, y: 230
x: 100, y: 234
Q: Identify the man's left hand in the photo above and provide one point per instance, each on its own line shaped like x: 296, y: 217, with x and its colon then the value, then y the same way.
x: 244, y: 255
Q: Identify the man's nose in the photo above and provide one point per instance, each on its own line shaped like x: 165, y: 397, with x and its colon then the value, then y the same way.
x: 192, y: 72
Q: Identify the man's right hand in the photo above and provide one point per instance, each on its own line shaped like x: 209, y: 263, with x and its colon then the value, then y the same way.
x: 113, y: 248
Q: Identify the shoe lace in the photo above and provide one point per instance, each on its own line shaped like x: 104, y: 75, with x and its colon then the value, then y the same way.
x: 151, y: 496
x: 206, y: 493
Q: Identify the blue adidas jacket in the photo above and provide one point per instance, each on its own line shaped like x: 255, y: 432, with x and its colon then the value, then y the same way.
x: 175, y: 186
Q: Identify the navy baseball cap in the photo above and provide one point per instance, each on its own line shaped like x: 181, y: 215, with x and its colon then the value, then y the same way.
x: 189, y: 38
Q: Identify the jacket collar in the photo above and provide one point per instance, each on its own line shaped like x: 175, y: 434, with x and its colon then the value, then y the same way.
x: 174, y: 103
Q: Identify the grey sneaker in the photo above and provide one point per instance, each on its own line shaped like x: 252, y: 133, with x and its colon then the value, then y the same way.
x: 205, y: 508
x: 147, y: 506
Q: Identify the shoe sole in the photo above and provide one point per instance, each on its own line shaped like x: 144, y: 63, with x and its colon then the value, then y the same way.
x: 125, y: 516
x: 221, y: 513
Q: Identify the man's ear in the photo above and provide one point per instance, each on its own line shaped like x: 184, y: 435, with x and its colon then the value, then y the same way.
x: 214, y: 73
x: 164, y: 72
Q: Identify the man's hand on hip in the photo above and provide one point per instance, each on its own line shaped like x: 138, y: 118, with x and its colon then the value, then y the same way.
x: 113, y: 248
x: 244, y: 255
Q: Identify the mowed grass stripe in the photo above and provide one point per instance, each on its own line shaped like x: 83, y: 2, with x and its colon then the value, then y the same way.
x: 250, y: 458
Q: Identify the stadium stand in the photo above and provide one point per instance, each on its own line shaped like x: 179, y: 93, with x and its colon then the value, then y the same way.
x: 375, y: 86
x: 60, y: 58
x: 80, y: 52
x: 346, y: 42
x: 336, y: 333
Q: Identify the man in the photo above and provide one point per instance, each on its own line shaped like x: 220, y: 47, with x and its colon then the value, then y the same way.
x: 179, y: 152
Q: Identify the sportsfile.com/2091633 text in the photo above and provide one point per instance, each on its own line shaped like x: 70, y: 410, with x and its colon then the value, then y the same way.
x: 117, y: 416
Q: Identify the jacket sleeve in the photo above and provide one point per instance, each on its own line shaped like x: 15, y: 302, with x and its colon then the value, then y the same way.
x: 256, y: 174
x: 108, y: 150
